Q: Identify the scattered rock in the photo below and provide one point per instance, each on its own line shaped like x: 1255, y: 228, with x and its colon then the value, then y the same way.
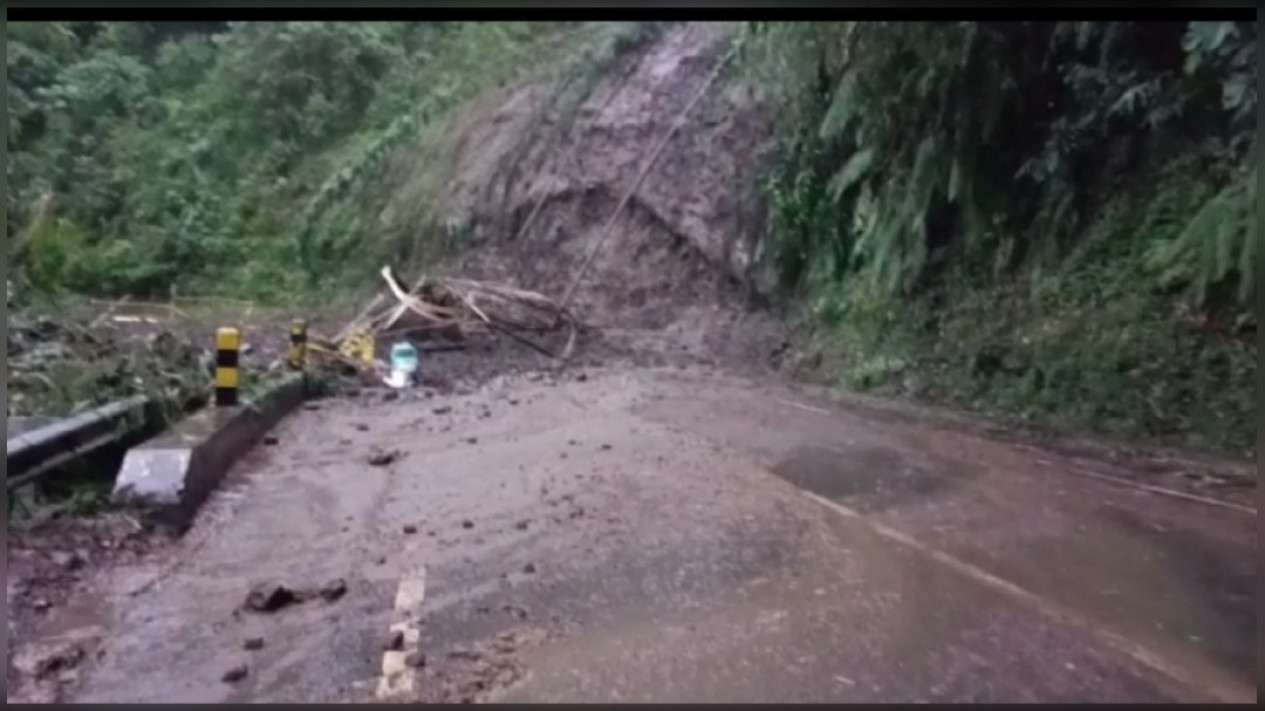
x: 235, y: 674
x: 333, y: 590
x: 522, y: 525
x: 513, y: 402
x: 563, y: 455
x: 270, y: 440
x: 381, y: 458
x: 515, y: 611
x: 311, y: 406
x: 390, y: 395
x: 59, y: 662
x: 467, y: 524
x: 41, y: 604
x: 578, y: 512
x: 410, y: 529
x: 253, y: 644
x: 394, y: 641
x: 442, y: 410
x: 605, y: 448
x: 270, y: 597
x: 68, y: 561
x: 472, y: 440
x: 382, y: 560
x: 582, y: 377
x: 362, y: 427
x: 415, y: 660
x: 432, y: 533
x: 530, y: 569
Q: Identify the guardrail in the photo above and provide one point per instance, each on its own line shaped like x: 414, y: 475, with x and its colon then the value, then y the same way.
x: 33, y: 454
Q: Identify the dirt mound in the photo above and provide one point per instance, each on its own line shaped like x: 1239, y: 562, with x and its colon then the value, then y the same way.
x: 679, y: 256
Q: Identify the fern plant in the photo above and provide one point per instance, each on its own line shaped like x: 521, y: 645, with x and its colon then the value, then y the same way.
x: 983, y: 147
x: 1218, y: 245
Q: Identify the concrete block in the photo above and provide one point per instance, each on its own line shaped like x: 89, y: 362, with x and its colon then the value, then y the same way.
x: 170, y: 476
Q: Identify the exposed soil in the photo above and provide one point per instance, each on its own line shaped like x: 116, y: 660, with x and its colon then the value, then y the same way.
x: 51, y: 580
x: 679, y: 258
x: 55, y: 556
x: 632, y: 524
x: 672, y: 286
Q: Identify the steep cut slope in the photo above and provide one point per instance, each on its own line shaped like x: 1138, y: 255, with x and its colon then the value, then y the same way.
x: 678, y: 255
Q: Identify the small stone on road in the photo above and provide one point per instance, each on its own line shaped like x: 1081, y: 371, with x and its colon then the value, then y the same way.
x: 269, y: 597
x: 382, y: 458
x: 235, y: 674
x: 333, y: 590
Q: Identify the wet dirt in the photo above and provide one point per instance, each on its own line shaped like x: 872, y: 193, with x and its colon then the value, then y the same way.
x: 878, y: 478
x: 56, y: 612
x: 676, y: 260
x: 633, y: 526
x: 671, y: 555
x: 1222, y: 583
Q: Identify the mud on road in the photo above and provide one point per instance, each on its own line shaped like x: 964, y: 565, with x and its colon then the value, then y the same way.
x: 643, y: 533
x: 660, y: 520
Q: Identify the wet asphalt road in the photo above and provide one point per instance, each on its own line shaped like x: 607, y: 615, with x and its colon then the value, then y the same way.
x: 676, y: 536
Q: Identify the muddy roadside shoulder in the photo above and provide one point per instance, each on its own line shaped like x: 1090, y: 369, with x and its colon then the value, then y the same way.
x: 53, y: 568
x: 54, y: 562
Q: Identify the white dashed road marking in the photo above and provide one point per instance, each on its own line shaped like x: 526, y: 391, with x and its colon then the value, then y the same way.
x: 399, y: 678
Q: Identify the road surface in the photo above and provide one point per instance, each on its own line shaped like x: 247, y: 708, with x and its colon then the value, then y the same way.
x: 653, y: 535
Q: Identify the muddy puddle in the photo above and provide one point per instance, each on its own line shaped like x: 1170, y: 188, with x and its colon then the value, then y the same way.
x: 871, y: 478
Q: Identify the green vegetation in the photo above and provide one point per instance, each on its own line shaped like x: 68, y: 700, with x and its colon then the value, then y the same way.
x: 254, y: 159
x: 279, y: 162
x: 1054, y: 222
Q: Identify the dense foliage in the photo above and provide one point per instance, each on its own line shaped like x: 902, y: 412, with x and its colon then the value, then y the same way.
x: 246, y: 158
x: 1051, y: 221
x: 1054, y: 220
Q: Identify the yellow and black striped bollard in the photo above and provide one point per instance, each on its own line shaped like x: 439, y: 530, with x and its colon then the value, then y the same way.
x: 228, y: 343
x: 297, y: 353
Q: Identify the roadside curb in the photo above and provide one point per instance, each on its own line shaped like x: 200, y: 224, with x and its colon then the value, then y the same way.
x: 171, y: 475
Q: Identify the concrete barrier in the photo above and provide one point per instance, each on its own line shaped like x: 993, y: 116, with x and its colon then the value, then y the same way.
x: 170, y: 476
